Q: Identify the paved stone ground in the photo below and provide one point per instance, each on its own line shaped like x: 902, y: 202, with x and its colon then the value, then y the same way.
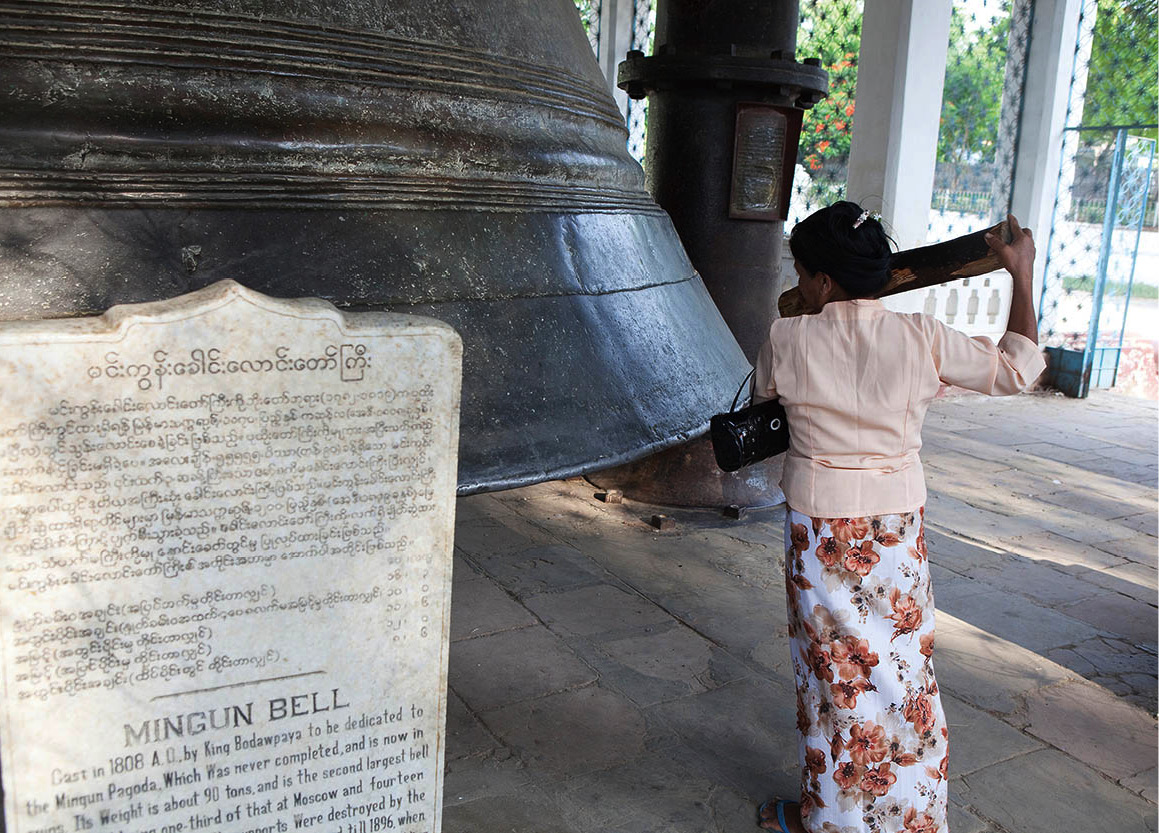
x: 606, y: 677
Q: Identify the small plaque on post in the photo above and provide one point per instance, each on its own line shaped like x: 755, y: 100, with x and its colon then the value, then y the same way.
x: 759, y: 184
x: 226, y: 525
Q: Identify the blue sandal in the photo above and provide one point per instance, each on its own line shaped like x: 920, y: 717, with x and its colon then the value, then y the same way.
x: 780, y: 806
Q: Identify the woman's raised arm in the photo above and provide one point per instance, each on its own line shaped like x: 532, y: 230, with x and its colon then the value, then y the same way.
x: 1017, y: 258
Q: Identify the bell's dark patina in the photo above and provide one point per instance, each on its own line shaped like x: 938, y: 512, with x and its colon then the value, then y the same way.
x: 725, y: 101
x: 458, y: 160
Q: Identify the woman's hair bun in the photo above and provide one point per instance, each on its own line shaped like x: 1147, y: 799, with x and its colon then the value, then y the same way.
x: 856, y: 258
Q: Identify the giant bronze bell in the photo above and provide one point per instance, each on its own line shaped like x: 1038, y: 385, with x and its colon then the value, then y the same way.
x: 459, y: 160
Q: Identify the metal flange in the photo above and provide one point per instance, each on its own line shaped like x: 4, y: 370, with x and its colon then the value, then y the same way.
x: 802, y: 84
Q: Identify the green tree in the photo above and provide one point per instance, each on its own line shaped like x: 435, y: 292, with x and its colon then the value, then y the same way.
x: 972, y: 95
x: 830, y: 30
x: 1121, y: 85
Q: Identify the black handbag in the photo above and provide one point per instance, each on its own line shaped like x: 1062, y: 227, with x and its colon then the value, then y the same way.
x: 752, y: 434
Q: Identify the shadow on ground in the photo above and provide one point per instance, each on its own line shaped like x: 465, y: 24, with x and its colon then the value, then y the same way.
x: 607, y: 677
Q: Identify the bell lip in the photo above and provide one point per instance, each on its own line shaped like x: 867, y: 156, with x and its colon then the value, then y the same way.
x: 581, y: 469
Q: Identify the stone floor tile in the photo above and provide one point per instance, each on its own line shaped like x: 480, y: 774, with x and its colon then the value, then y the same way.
x: 462, y: 570
x: 759, y: 564
x: 1145, y: 522
x: 949, y: 587
x: 1142, y: 684
x: 1129, y: 435
x: 936, y: 441
x: 711, y: 610
x: 1063, y: 553
x: 481, y: 608
x: 663, y: 664
x: 1082, y: 442
x: 1035, y: 580
x: 1139, y: 581
x: 591, y: 729
x: 1142, y: 549
x: 741, y: 733
x: 662, y: 790
x: 1047, y: 791
x: 956, y: 553
x: 472, y: 778
x: 466, y: 736
x: 951, y: 420
x: 519, y: 813
x: 1115, y: 656
x: 1058, y: 453
x: 656, y: 572
x: 719, y: 810
x: 1125, y: 454
x: 945, y: 462
x: 961, y: 820
x: 475, y: 509
x: 994, y: 435
x: 493, y: 671
x: 738, y: 615
x: 1145, y: 475
x: 1092, y: 503
x: 597, y: 609
x: 1144, y: 784
x: 977, y: 739
x: 1112, y: 684
x: 1130, y: 494
x: 989, y: 672
x: 479, y: 538
x: 1093, y: 726
x: 991, y: 493
x: 1117, y: 614
x: 541, y: 569
x: 771, y: 656
x: 968, y: 521
x: 1069, y: 658
x: 1018, y: 620
x: 1141, y: 474
x: 1143, y: 701
x: 1070, y: 522
x: 732, y: 811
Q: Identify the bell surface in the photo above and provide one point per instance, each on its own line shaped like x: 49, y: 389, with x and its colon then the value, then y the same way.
x: 459, y: 161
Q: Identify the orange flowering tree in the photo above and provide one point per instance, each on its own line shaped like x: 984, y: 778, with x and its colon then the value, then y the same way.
x: 829, y: 30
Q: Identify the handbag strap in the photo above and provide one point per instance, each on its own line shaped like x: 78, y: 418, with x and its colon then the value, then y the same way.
x: 742, y: 384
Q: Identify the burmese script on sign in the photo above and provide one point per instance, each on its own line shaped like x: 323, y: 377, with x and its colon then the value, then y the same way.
x: 226, y: 526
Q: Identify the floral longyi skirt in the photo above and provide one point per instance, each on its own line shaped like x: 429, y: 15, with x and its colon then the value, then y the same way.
x: 873, y: 738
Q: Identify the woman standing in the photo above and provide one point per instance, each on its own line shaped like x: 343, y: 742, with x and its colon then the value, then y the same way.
x: 856, y: 381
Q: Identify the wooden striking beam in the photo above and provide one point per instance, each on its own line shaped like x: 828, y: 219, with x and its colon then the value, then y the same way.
x: 962, y: 257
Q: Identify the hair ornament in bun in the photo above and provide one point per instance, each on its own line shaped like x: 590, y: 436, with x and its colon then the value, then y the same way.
x: 867, y: 215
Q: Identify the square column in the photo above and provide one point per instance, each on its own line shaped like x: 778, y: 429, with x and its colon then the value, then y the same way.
x: 617, y: 19
x: 900, y: 75
x: 1053, y: 35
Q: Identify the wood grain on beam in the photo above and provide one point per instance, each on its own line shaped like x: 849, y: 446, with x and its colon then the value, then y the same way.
x: 962, y: 257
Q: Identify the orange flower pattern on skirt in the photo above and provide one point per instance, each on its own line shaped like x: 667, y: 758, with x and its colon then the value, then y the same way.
x: 873, y: 737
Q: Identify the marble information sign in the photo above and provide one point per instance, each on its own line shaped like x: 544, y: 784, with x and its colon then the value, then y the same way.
x: 226, y: 524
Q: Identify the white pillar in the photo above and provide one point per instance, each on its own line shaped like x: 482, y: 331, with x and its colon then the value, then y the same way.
x: 616, y: 23
x: 900, y: 75
x: 1053, y: 35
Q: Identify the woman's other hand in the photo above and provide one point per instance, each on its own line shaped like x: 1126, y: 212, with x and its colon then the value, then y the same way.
x: 1017, y: 257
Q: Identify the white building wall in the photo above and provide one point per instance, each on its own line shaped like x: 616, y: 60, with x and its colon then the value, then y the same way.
x: 893, y: 154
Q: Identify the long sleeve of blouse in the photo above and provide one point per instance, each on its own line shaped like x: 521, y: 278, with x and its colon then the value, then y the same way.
x: 856, y: 381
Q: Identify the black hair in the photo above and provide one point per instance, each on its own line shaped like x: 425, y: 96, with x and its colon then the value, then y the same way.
x: 857, y: 259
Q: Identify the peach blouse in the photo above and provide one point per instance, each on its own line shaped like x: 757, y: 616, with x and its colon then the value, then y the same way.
x: 856, y: 381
